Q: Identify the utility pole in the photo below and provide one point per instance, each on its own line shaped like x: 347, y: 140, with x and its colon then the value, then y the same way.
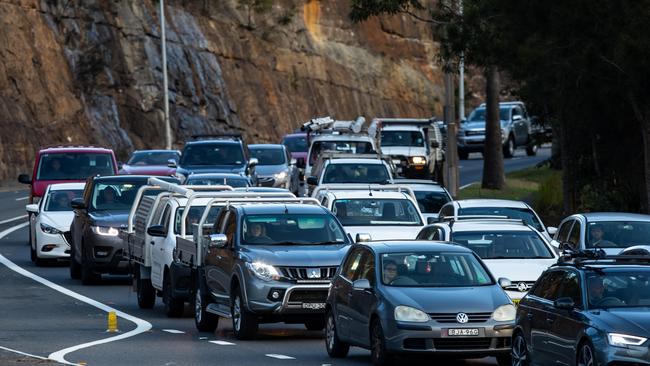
x: 168, y: 129
x: 451, y: 153
x: 461, y: 75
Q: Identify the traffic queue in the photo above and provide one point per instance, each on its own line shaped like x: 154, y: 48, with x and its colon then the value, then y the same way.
x: 330, y: 231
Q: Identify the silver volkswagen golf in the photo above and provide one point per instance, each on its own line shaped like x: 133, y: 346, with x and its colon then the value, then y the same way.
x: 417, y: 297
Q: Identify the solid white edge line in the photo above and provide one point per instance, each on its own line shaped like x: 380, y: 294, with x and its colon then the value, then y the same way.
x: 59, y: 356
x: 22, y: 198
x: 23, y: 353
x: 223, y: 343
x: 279, y: 357
x: 13, y: 219
x: 467, y: 185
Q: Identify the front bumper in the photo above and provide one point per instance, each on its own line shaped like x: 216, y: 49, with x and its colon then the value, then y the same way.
x: 51, y: 246
x: 292, y: 298
x: 621, y: 356
x: 106, y: 253
x: 271, y: 181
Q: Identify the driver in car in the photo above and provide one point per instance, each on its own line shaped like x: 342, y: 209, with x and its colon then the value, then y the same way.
x: 257, y: 234
x: 390, y: 271
x: 597, y: 294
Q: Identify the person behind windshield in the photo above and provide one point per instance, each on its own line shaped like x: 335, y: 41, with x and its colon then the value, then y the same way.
x: 55, y: 170
x: 596, y: 233
x: 60, y: 202
x: 390, y: 271
x: 257, y: 234
x: 596, y: 290
x: 108, y: 197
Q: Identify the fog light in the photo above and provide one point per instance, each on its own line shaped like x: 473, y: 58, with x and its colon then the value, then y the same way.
x: 48, y: 248
x: 276, y: 294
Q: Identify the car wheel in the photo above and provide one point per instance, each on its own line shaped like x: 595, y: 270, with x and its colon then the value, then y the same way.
x: 317, y: 324
x: 335, y: 348
x: 75, y: 268
x: 145, y: 292
x: 32, y: 249
x: 174, y: 307
x: 519, y: 355
x: 378, y: 353
x: 204, y: 321
x: 463, y: 155
x: 88, y: 276
x: 531, y: 149
x: 509, y: 148
x: 244, y: 323
x: 586, y: 355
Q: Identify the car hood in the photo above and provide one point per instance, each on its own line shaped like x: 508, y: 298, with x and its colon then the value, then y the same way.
x: 632, y: 321
x: 479, y: 299
x: 211, y: 169
x: 385, y: 232
x: 296, y: 255
x: 117, y: 219
x: 404, y: 150
x: 517, y: 270
x: 147, y: 170
x: 263, y: 170
x: 60, y: 220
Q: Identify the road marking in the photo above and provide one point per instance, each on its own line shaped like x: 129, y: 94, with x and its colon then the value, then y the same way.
x: 173, y: 331
x: 280, y: 357
x: 59, y: 356
x: 23, y: 353
x: 13, y: 219
x: 222, y: 343
x: 467, y: 185
x: 22, y: 198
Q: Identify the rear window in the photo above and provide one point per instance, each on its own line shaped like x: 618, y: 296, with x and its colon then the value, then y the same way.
x: 213, y: 154
x: 356, y: 173
x: 74, y: 166
x: 296, y: 143
x: 143, y: 158
x: 269, y: 156
x: 233, y: 182
x: 431, y: 201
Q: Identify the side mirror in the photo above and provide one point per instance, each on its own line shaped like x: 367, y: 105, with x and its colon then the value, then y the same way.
x: 120, y: 165
x: 33, y: 208
x: 551, y: 230
x: 300, y: 163
x: 432, y: 220
x: 24, y: 179
x: 565, y: 303
x: 293, y: 161
x: 157, y: 230
x: 171, y: 163
x: 516, y: 118
x: 463, y: 120
x: 363, y: 237
x: 218, y: 241
x: 252, y: 162
x: 78, y: 204
x: 435, y: 144
x: 504, y: 282
x: 312, y: 181
x: 361, y: 285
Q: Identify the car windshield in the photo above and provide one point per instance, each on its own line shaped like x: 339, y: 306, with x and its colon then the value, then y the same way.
x: 213, y: 154
x: 504, y: 244
x: 269, y: 156
x: 59, y: 200
x: 478, y: 115
x: 618, y: 234
x: 233, y: 182
x: 376, y: 212
x: 356, y: 173
x: 193, y: 217
x: 402, y: 138
x: 296, y: 143
x: 74, y: 166
x: 431, y: 201
x: 618, y: 289
x: 348, y: 147
x: 433, y: 269
x: 152, y: 157
x: 289, y: 229
x: 114, y: 196
x: 525, y: 214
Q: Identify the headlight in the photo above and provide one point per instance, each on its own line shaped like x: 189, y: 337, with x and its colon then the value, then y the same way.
x: 505, y: 313
x: 409, y: 314
x: 104, y: 231
x: 624, y: 340
x: 419, y: 160
x: 50, y: 230
x: 263, y: 271
x: 280, y: 176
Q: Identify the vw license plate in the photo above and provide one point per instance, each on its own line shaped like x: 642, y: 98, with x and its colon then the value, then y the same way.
x: 464, y: 332
x: 313, y: 305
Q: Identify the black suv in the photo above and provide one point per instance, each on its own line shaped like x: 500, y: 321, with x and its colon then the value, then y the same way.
x: 216, y: 154
x: 589, y: 310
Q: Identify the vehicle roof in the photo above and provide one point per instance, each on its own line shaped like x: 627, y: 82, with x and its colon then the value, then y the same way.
x: 214, y: 142
x: 155, y: 151
x: 401, y: 128
x: 420, y: 186
x: 132, y: 178
x: 614, y: 216
x: 75, y: 149
x: 217, y: 176
x: 295, y: 135
x: 397, y: 246
x: 504, y: 104
x: 261, y: 189
x: 489, y: 203
x: 281, y: 208
x: 344, y: 137
x: 356, y: 161
x: 201, y: 201
x: 62, y: 186
x: 590, y: 266
x: 489, y: 226
x: 267, y: 146
x: 366, y: 194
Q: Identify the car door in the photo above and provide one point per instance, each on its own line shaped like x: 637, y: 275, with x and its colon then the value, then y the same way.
x: 566, y: 324
x: 80, y: 221
x: 222, y: 260
x: 160, y: 254
x: 343, y: 291
x: 540, y: 305
x: 562, y: 235
x: 575, y: 237
x: 519, y: 126
x: 362, y: 301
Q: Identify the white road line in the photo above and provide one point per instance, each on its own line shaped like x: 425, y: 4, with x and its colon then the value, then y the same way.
x: 280, y: 357
x: 173, y: 331
x: 467, y: 185
x: 59, y: 356
x: 13, y: 219
x: 223, y: 343
x: 22, y: 198
x: 23, y: 353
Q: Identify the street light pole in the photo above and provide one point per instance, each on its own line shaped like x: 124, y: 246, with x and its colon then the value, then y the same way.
x: 461, y: 75
x: 168, y: 129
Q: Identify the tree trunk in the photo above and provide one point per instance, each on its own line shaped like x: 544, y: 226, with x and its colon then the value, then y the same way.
x: 568, y: 168
x: 493, y: 176
x: 643, y: 117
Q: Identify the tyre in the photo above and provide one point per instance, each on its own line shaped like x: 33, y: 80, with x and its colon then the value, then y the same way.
x: 509, y: 147
x: 586, y: 356
x: 29, y: 219
x: 317, y: 324
x: 88, y: 276
x: 531, y: 149
x: 519, y: 355
x: 75, y: 268
x: 204, y: 321
x: 174, y: 307
x: 32, y: 252
x: 335, y: 348
x: 244, y: 323
x: 146, y: 293
x: 378, y: 353
x: 463, y: 155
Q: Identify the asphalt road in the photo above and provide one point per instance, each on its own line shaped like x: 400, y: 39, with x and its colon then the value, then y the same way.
x: 471, y: 170
x: 44, y: 314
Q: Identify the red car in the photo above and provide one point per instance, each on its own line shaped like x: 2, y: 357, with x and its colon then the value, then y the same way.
x: 65, y: 164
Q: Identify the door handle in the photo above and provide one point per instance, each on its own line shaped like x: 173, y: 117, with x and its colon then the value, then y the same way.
x: 152, y: 243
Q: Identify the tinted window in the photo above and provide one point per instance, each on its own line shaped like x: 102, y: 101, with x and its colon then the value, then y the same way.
x: 213, y: 154
x: 116, y: 196
x: 547, y: 286
x: 524, y: 214
x: 352, y: 264
x: 621, y: 289
x: 563, y: 232
x: 431, y: 202
x: 269, y: 156
x: 59, y: 200
x: 356, y: 173
x: 233, y: 182
x: 288, y: 229
x: 350, y: 147
x: 506, y: 244
x: 618, y: 234
x: 152, y: 157
x: 376, y: 212
x: 193, y: 217
x: 402, y: 138
x: 447, y: 211
x: 570, y: 287
x: 74, y: 166
x: 429, y: 233
x: 574, y: 237
x: 296, y: 143
x: 367, y: 268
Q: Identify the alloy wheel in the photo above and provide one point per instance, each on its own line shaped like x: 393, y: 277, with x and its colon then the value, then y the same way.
x: 586, y: 356
x: 236, y: 313
x: 330, y: 332
x: 519, y: 352
x: 198, y: 311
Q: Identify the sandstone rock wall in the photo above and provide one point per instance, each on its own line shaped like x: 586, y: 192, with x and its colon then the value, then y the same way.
x: 89, y: 71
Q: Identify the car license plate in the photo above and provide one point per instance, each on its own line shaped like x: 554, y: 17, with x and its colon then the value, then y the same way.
x: 464, y: 332
x: 313, y: 305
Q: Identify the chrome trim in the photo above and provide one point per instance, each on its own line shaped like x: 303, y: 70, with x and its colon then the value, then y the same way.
x: 287, y: 294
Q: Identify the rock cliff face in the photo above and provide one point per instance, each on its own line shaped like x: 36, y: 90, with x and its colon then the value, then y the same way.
x: 89, y: 71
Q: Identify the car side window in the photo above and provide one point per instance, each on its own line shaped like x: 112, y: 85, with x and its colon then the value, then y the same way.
x: 367, y: 270
x: 563, y: 232
x: 548, y: 285
x: 352, y: 264
x: 446, y: 211
x: 425, y: 234
x: 570, y: 287
x: 230, y: 228
x: 325, y: 202
x: 164, y: 218
x: 574, y: 237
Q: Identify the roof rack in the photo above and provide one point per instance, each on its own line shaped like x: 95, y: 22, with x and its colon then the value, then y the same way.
x: 405, y: 121
x: 325, y: 125
x: 220, y: 136
x: 363, y: 187
x: 585, y: 258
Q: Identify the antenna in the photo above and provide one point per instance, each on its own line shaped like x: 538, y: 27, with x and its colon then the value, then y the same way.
x: 369, y: 191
